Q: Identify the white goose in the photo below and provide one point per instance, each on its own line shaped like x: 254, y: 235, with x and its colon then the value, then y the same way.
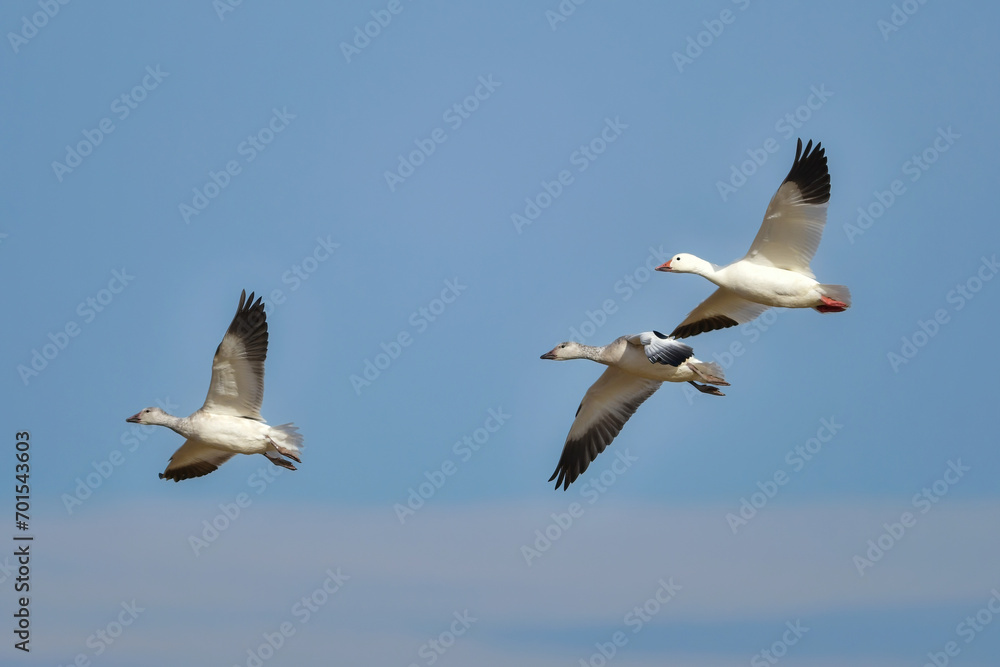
x: 229, y: 422
x: 775, y: 272
x: 637, y: 366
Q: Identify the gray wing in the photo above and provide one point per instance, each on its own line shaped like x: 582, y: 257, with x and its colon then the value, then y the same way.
x: 605, y: 408
x: 194, y: 459
x: 660, y: 349
x: 237, y: 386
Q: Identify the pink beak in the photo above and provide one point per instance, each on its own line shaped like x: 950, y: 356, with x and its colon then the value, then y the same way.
x: 134, y: 419
x: 664, y: 267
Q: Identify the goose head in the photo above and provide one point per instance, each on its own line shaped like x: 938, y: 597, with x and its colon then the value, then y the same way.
x: 568, y: 350
x: 149, y: 416
x: 682, y: 263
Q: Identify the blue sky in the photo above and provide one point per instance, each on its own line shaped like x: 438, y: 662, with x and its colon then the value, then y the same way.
x: 381, y: 192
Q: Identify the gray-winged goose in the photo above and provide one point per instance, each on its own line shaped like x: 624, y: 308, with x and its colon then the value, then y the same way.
x: 775, y: 272
x: 637, y: 366
x: 229, y: 422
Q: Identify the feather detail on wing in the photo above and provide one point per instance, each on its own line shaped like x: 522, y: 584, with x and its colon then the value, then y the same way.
x: 660, y: 349
x: 237, y: 386
x: 605, y: 408
x: 794, y: 221
x: 724, y: 308
x: 194, y: 459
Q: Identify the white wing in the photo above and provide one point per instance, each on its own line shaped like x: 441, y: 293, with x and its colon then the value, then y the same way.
x: 605, y: 408
x: 794, y: 221
x: 660, y: 349
x: 194, y: 459
x: 724, y: 308
x: 237, y: 386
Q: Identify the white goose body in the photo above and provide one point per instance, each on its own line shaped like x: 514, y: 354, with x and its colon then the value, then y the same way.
x: 775, y: 271
x: 229, y: 422
x: 238, y: 435
x: 766, y: 285
x: 637, y: 366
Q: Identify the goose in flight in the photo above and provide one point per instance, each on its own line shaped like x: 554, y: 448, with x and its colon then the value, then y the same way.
x: 775, y: 272
x: 637, y: 366
x: 229, y: 422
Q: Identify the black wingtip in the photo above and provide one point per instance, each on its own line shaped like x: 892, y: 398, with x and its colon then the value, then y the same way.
x: 247, y: 302
x: 563, y: 476
x: 576, y: 457
x: 810, y: 172
x: 250, y: 322
x: 702, y: 326
x: 564, y: 481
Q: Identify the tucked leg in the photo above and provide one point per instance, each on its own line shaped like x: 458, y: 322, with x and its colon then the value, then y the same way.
x: 707, y: 377
x: 281, y: 462
x: 706, y: 389
x: 284, y: 451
